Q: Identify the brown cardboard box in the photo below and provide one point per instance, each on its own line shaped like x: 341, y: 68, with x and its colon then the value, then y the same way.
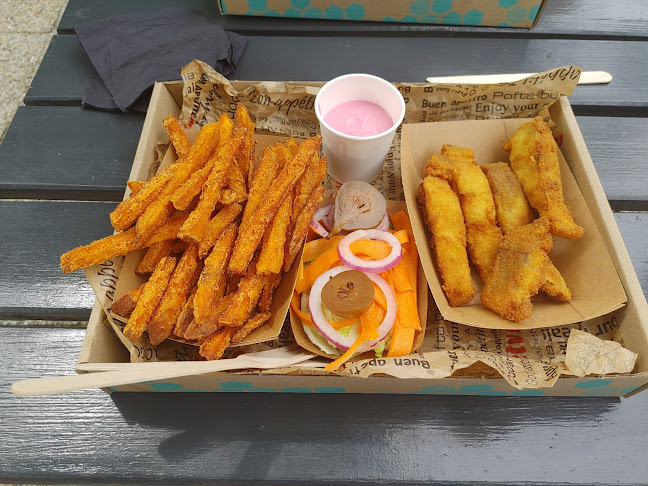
x: 102, y: 349
x: 493, y: 13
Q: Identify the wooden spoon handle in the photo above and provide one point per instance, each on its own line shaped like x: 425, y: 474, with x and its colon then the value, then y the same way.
x: 587, y: 77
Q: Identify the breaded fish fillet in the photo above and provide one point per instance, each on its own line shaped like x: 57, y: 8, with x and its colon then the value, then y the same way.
x: 519, y: 271
x: 555, y: 284
x: 534, y: 160
x: 513, y: 210
x: 440, y: 207
x: 476, y: 199
x: 511, y: 205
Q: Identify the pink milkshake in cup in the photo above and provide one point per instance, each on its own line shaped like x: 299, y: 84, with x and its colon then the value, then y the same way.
x: 358, y: 116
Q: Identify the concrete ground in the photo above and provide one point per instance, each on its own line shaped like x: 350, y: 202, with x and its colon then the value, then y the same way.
x: 26, y: 28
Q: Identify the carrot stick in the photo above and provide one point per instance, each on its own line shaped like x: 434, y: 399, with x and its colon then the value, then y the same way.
x: 410, y: 258
x: 376, y: 250
x: 407, y: 310
x: 343, y: 323
x: 334, y: 365
x: 316, y: 247
x: 294, y: 304
x: 402, y: 340
x: 402, y: 277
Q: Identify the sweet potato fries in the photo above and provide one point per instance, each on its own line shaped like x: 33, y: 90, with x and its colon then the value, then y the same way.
x: 218, y: 233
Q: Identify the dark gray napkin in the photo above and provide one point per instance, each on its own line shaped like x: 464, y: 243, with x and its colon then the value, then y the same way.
x: 131, y: 52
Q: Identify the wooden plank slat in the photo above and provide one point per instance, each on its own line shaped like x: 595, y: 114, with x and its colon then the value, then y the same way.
x: 264, y: 438
x: 68, y: 153
x: 619, y: 149
x: 36, y: 233
x: 599, y: 19
x: 97, y: 169
x: 634, y: 230
x: 395, y: 59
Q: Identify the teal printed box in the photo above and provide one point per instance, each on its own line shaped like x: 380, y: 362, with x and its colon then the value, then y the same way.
x: 103, y: 350
x: 491, y: 13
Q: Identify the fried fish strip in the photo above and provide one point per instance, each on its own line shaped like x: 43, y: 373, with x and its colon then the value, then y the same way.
x: 263, y: 177
x: 211, y: 278
x: 194, y: 228
x: 555, y: 284
x: 150, y: 298
x: 442, y: 212
x: 127, y: 302
x: 215, y: 345
x: 513, y: 210
x: 471, y: 186
x: 104, y: 249
x: 302, y: 224
x: 243, y: 302
x: 160, y: 209
x: 519, y: 271
x: 250, y: 235
x: 534, y: 160
x: 251, y: 324
x: 216, y: 226
x: 511, y: 205
x: 177, y: 135
x: 439, y: 166
x: 166, y: 315
x: 153, y: 255
x: 274, y: 240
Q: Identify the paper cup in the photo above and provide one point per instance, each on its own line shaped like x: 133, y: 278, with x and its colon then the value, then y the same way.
x: 352, y: 158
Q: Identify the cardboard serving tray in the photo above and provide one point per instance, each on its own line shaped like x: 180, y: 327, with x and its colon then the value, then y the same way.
x: 102, y: 349
x: 421, y: 301
x: 584, y: 263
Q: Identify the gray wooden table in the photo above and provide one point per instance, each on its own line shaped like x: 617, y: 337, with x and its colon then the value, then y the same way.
x: 63, y: 169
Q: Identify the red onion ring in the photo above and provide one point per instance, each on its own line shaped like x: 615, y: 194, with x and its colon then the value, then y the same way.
x: 335, y: 337
x: 319, y: 229
x: 356, y: 263
x: 329, y: 220
x: 321, y: 215
x: 384, y: 224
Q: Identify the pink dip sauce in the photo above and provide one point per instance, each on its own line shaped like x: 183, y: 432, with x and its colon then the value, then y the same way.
x: 359, y: 119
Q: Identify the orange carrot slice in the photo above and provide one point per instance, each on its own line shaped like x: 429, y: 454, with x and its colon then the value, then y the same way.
x: 402, y: 277
x: 315, y: 248
x: 375, y: 250
x: 334, y: 365
x: 407, y: 311
x: 410, y: 257
x: 294, y: 304
x: 402, y: 341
